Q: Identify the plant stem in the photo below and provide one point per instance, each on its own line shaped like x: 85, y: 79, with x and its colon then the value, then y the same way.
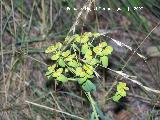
x: 91, y: 100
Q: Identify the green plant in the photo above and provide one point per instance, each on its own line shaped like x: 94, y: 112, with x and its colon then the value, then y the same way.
x: 121, y: 91
x: 78, y: 61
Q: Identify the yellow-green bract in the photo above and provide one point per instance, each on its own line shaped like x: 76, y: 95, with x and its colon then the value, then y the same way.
x: 121, y: 91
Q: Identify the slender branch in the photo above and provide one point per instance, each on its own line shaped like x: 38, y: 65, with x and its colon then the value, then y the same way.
x: 59, y: 111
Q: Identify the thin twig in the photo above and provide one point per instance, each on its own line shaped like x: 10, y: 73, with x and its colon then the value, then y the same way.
x: 2, y: 57
x: 59, y: 111
x: 58, y: 106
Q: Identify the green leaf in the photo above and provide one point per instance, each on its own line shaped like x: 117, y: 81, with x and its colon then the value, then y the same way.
x: 66, y: 53
x: 82, y: 74
x: 104, y: 61
x: 79, y: 72
x: 89, y: 69
x: 59, y: 45
x: 102, y: 44
x: 88, y: 86
x: 73, y: 63
x: 77, y: 38
x: 50, y: 49
x: 48, y: 73
x: 56, y: 56
x: 70, y: 57
x: 62, y: 78
x: 61, y: 62
x: 89, y: 34
x: 88, y: 52
x: 93, y: 62
x: 116, y: 97
x: 58, y: 72
x: 121, y: 88
x: 122, y: 93
x: 81, y: 80
x: 108, y: 50
x: 122, y: 85
x: 98, y: 50
x: 53, y: 48
x: 52, y: 67
x: 84, y: 39
x: 88, y: 57
x: 84, y: 48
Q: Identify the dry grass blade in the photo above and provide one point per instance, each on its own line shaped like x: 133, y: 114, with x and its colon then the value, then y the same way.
x: 128, y: 77
x: 48, y: 108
